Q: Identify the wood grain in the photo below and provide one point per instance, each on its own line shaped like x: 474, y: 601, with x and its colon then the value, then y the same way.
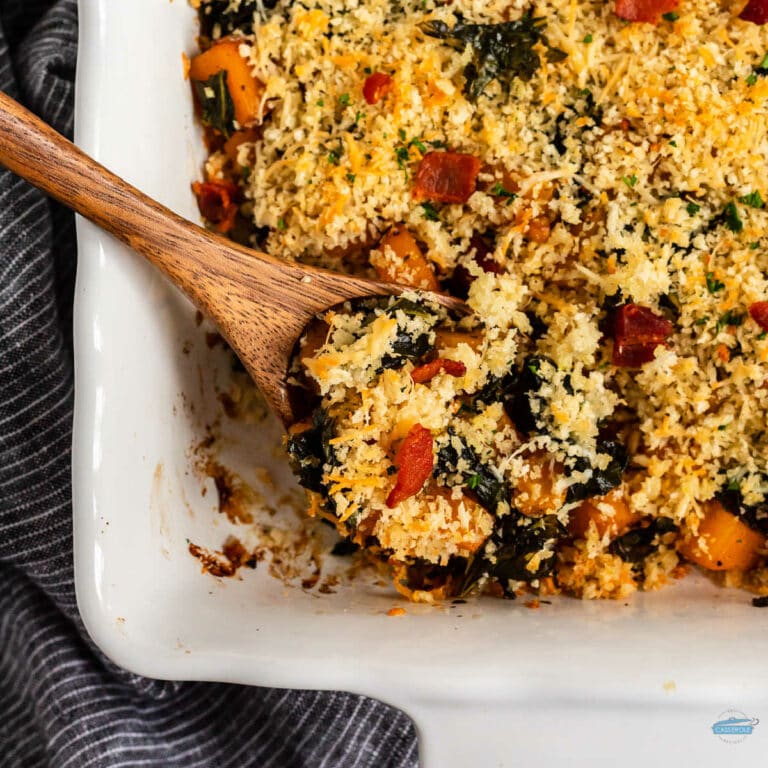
x: 259, y: 303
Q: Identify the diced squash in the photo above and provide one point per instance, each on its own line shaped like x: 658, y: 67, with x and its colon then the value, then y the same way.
x: 233, y: 143
x: 447, y: 339
x: 535, y: 494
x: 402, y: 261
x: 245, y: 90
x: 730, y: 543
x: 615, y: 522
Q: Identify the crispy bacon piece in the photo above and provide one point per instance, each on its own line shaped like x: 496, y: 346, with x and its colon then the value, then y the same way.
x: 414, y: 461
x: 424, y: 373
x: 636, y: 334
x: 377, y: 86
x: 649, y: 11
x: 217, y: 201
x: 755, y: 11
x: 759, y: 313
x: 446, y: 177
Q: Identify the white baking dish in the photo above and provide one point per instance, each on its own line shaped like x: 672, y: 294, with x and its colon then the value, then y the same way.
x: 489, y: 683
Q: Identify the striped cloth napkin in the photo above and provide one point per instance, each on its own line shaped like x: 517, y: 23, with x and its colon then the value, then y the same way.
x: 61, y: 702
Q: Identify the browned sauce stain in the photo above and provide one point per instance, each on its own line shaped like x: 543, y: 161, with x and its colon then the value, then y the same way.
x: 213, y: 339
x: 229, y: 405
x: 226, y: 563
x: 234, y: 495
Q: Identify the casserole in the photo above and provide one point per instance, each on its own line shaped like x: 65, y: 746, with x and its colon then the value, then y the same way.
x: 487, y: 682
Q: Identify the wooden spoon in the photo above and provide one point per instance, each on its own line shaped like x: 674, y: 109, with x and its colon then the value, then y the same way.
x: 260, y: 304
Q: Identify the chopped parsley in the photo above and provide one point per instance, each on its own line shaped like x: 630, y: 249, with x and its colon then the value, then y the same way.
x: 430, y: 212
x: 730, y: 319
x: 753, y: 200
x: 751, y: 79
x: 692, y: 208
x: 731, y: 218
x: 473, y: 482
x: 498, y: 190
x: 333, y: 157
x: 320, y: 103
x: 344, y: 99
x: 713, y: 286
x: 587, y: 39
x: 281, y: 225
x: 351, y: 178
x: 630, y: 181
x: 671, y: 16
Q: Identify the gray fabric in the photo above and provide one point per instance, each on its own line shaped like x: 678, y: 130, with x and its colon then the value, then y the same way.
x: 62, y: 703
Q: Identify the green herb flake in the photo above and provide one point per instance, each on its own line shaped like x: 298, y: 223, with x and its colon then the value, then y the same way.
x: 281, y: 225
x: 473, y: 482
x: 754, y: 246
x: 320, y: 103
x: 763, y: 65
x: 722, y: 427
x: 701, y: 321
x: 713, y: 286
x: 351, y: 178
x: 751, y: 79
x: 587, y: 39
x: 430, y: 212
x: 359, y: 116
x: 671, y: 16
x: 498, y: 190
x: 630, y: 181
x: 419, y: 144
x: 692, y: 208
x: 753, y: 200
x: 672, y: 143
x: 729, y: 319
x: 731, y: 218
x: 344, y: 99
x: 403, y: 156
x: 333, y: 157
x: 761, y: 336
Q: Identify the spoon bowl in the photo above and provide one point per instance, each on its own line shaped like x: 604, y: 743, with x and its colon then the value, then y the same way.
x: 260, y: 304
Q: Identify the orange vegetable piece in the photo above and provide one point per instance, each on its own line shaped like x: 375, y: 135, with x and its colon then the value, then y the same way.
x: 245, y: 90
x: 731, y: 544
x: 424, y: 373
x: 232, y: 144
x: 535, y: 494
x: 410, y: 266
x: 589, y: 510
x: 414, y: 462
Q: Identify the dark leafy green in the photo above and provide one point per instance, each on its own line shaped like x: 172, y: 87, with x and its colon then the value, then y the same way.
x: 216, y: 107
x: 756, y: 517
x: 225, y: 17
x: 499, y: 51
x: 635, y: 546
x: 482, y: 481
x: 519, y: 405
x: 309, y: 450
x: 602, y: 480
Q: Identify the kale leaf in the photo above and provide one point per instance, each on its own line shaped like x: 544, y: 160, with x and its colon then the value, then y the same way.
x: 500, y: 51
x: 216, y: 107
x: 602, y: 480
x: 635, y: 546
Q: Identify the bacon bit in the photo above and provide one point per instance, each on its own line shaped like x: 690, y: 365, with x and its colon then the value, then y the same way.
x: 396, y: 612
x: 446, y: 177
x: 649, y: 11
x: 217, y: 203
x: 414, y: 461
x: 759, y: 313
x: 755, y: 11
x: 424, y: 373
x: 723, y: 353
x: 637, y: 333
x: 377, y: 86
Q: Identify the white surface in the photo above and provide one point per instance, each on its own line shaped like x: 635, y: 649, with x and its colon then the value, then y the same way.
x: 489, y: 683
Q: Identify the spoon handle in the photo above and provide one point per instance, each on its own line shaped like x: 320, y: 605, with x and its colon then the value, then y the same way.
x: 259, y: 303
